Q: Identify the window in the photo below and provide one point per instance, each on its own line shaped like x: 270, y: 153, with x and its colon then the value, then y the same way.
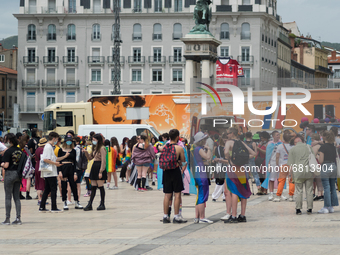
x: 31, y: 55
x: 136, y: 75
x: 3, y: 84
x: 71, y: 32
x: 157, y: 32
x: 9, y: 84
x: 52, y: 33
x: 70, y: 97
x: 245, y: 2
x: 15, y: 100
x: 3, y: 102
x: 64, y: 119
x: 95, y: 55
x: 137, y: 6
x: 137, y: 32
x: 51, y: 6
x: 96, y: 75
x: 50, y: 98
x: 157, y: 75
x: 245, y: 54
x: 31, y: 33
x: 113, y: 75
x: 135, y: 93
x: 32, y: 6
x: 96, y: 32
x: 71, y: 55
x: 225, y: 2
x: 30, y: 76
x: 158, y: 5
x: 177, y: 75
x: 95, y: 93
x: 114, y: 32
x: 157, y: 54
x: 70, y: 76
x: 178, y: 5
x: 50, y: 76
x: 246, y: 78
x: 224, y: 31
x: 96, y: 6
x: 177, y: 54
x: 177, y: 91
x: 336, y: 73
x: 225, y: 51
x: 10, y: 103
x: 177, y: 34
x: 245, y: 31
x: 262, y: 37
x: 51, y: 55
x: 30, y: 101
x: 2, y: 58
x: 72, y: 6
x: 137, y: 54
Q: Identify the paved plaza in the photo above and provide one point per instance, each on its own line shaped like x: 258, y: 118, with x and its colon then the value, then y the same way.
x: 131, y: 225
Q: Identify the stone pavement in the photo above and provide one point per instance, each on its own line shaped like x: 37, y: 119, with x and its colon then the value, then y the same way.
x: 131, y: 225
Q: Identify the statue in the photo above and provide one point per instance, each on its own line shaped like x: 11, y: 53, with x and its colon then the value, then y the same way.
x: 202, y: 17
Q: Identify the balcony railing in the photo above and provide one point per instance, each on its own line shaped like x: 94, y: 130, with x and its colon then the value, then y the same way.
x: 323, y: 69
x: 49, y: 60
x: 70, y: 60
x: 224, y: 8
x: 50, y: 84
x: 110, y: 60
x: 71, y: 37
x: 96, y: 60
x: 224, y: 35
x: 245, y: 59
x: 177, y: 36
x: 176, y: 60
x: 157, y: 60
x: 136, y: 36
x: 156, y: 36
x: 30, y: 84
x: 51, y: 37
x: 31, y: 60
x: 31, y: 37
x: 96, y: 36
x: 138, y: 9
x: 70, y: 84
x: 245, y: 36
x: 245, y: 8
x: 136, y: 60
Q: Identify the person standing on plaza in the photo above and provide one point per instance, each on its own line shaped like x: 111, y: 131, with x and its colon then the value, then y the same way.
x: 310, y: 129
x: 260, y: 160
x: 124, y: 152
x: 115, y: 145
x: 98, y: 173
x: 253, y: 169
x: 32, y: 146
x: 39, y: 182
x: 50, y: 158
x: 281, y: 161
x: 317, y: 179
x: 236, y: 178
x: 298, y: 161
x: 327, y: 159
x: 10, y: 162
x: 219, y: 161
x: 111, y: 155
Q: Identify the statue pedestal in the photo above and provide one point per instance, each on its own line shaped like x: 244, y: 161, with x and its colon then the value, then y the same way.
x: 200, y: 49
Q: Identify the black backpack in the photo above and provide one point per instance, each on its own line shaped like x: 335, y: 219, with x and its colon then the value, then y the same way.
x: 240, y: 154
x: 21, y: 164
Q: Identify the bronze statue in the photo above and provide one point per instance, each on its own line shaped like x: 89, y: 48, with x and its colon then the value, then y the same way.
x: 202, y: 17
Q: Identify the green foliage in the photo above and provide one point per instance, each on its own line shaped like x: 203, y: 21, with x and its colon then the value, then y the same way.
x: 8, y: 42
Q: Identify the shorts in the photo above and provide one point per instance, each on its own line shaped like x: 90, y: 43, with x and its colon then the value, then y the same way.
x: 145, y: 164
x: 172, y: 181
x: 79, y: 175
x: 67, y: 170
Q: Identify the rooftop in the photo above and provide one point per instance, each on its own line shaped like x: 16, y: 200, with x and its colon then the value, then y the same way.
x: 6, y: 70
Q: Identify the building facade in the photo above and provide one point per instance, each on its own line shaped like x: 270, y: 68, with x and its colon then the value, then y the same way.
x: 334, y: 65
x: 283, y: 58
x: 66, y: 47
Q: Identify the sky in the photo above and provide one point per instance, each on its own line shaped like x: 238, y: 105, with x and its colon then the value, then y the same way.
x: 312, y: 16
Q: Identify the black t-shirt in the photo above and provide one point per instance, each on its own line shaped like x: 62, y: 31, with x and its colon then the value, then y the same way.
x: 329, y: 151
x: 70, y: 158
x: 33, y: 144
x: 12, y: 156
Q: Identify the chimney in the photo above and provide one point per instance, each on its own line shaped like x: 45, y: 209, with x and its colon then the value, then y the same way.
x: 301, y: 53
x: 333, y: 55
x: 1, y: 48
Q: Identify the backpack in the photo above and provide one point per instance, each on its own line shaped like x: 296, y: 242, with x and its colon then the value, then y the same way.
x: 168, y: 158
x: 240, y: 154
x: 21, y: 164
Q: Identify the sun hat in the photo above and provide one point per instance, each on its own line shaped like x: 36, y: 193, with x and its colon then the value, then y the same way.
x: 256, y: 137
x: 42, y: 142
x: 199, y: 137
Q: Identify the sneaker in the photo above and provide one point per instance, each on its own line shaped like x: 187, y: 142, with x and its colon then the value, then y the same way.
x: 114, y: 187
x: 196, y: 220
x: 226, y: 217
x: 28, y: 197
x: 78, y: 205
x: 166, y: 220
x: 144, y: 189
x: 181, y: 217
x: 88, y: 208
x: 39, y: 202
x: 43, y: 210
x: 56, y: 211
x: 140, y: 190
x: 214, y: 200
x: 69, y: 203
x: 242, y: 218
x: 231, y: 220
x: 179, y: 220
x: 283, y: 198
x: 330, y: 209
x: 86, y: 194
x: 309, y: 211
x: 271, y: 197
x: 65, y: 206
x: 321, y: 198
x: 277, y: 199
x: 148, y: 188
x: 291, y: 199
x: 205, y: 221
x: 6, y: 222
x: 223, y: 200
x: 316, y: 198
x: 323, y: 210
x: 153, y: 183
x: 17, y: 222
x: 121, y: 180
x: 298, y: 212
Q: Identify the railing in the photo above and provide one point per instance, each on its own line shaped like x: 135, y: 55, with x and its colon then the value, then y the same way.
x: 138, y: 9
x: 72, y: 60
x: 51, y: 60
x: 323, y: 69
x: 245, y: 60
x: 70, y: 84
x: 50, y: 84
x: 245, y: 8
x: 31, y: 108
x: 136, y: 36
x: 245, y: 36
x: 284, y: 38
x: 31, y: 37
x: 224, y: 35
x: 121, y: 60
x: 224, y: 8
x: 31, y: 60
x: 156, y: 36
x: 176, y: 60
x: 157, y: 60
x: 71, y: 37
x: 96, y: 60
x: 96, y: 37
x: 51, y: 37
x: 136, y: 59
x: 30, y: 84
x: 177, y: 36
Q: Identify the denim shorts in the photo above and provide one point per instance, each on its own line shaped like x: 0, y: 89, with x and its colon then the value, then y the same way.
x: 145, y: 164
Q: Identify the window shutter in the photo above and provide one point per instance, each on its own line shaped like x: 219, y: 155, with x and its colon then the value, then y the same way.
x: 187, y: 3
x: 22, y: 2
x: 167, y: 4
x: 257, y: 1
x: 106, y: 4
x: 147, y: 3
x: 127, y: 4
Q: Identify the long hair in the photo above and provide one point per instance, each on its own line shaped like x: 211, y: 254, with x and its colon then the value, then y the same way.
x: 124, y: 141
x: 132, y: 142
x: 107, y: 144
x: 96, y: 148
x: 114, y: 142
x: 23, y: 141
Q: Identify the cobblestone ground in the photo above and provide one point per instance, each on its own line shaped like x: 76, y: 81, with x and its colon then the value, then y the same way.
x: 131, y: 225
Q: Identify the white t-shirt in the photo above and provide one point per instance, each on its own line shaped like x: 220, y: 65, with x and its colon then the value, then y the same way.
x: 48, y: 153
x: 283, y: 153
x: 272, y: 161
x: 2, y: 147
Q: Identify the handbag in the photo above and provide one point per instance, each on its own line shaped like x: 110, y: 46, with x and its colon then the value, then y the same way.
x: 44, y: 167
x: 312, y: 162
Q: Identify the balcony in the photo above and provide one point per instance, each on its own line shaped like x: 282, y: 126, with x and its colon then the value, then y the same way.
x: 177, y: 36
x: 51, y: 61
x: 71, y: 37
x: 176, y: 60
x: 96, y: 37
x: 224, y: 35
x: 137, y: 9
x: 224, y: 8
x: 136, y: 60
x: 31, y: 37
x: 156, y: 37
x: 70, y: 84
x: 30, y: 84
x: 111, y: 63
x: 136, y: 36
x: 95, y: 60
x: 245, y: 8
x: 245, y: 36
x: 323, y: 70
x: 50, y: 84
x: 31, y: 108
x: 70, y: 60
x: 51, y: 37
x: 158, y: 60
x: 31, y: 61
x: 245, y: 60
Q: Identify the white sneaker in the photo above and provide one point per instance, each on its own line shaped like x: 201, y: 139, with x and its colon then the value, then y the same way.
x: 78, y: 205
x: 283, y: 198
x: 121, y: 180
x: 291, y: 199
x: 277, y: 199
x: 324, y: 210
x: 226, y: 217
x: 114, y: 187
x: 65, y: 206
x: 330, y: 209
x: 271, y: 197
x: 205, y: 221
x: 69, y: 202
x: 196, y: 220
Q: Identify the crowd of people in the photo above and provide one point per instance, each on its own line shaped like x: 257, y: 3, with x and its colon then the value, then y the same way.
x: 232, y: 160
